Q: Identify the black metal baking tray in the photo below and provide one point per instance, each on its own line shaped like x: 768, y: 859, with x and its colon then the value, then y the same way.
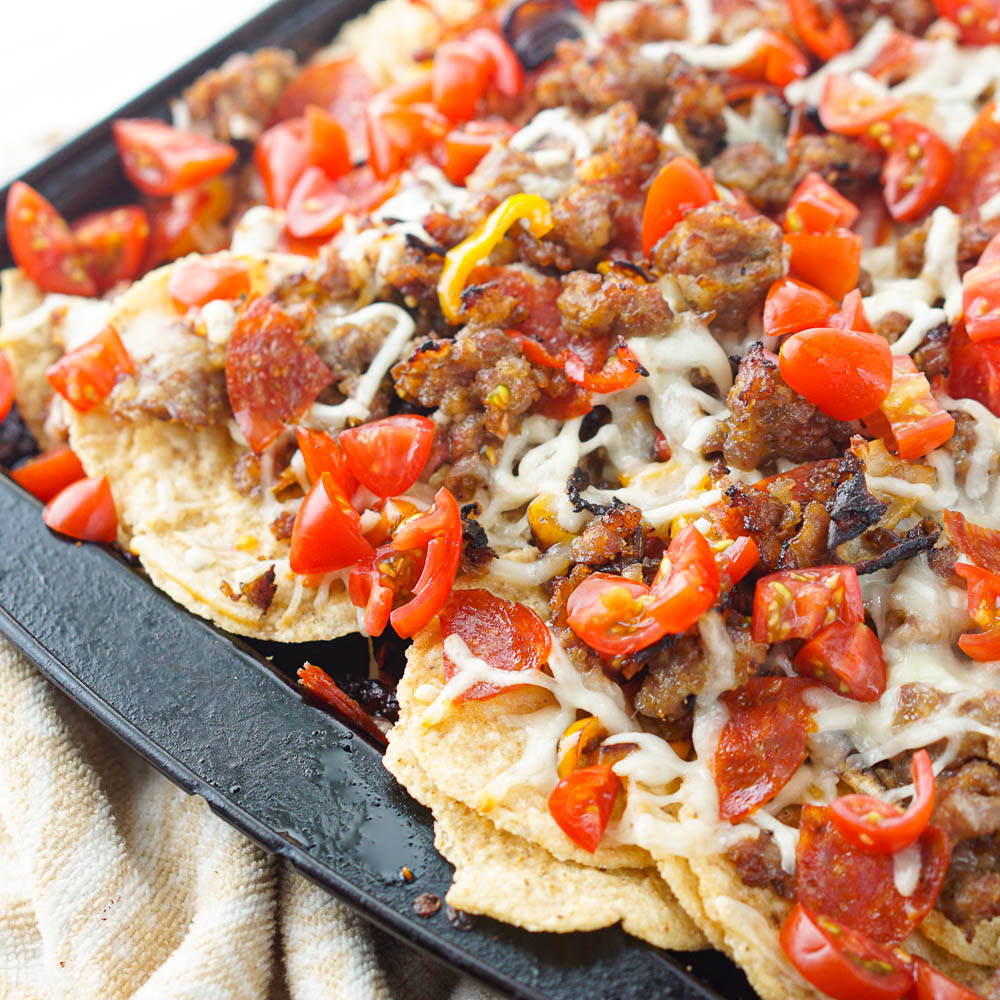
x: 221, y: 721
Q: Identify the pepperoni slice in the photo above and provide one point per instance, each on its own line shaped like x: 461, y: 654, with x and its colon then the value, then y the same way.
x: 857, y: 887
x: 763, y: 743
x: 272, y: 375
x: 507, y: 636
x: 979, y: 543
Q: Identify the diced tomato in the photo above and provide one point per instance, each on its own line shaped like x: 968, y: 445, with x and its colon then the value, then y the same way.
x: 326, y: 535
x: 797, y: 603
x: 397, y: 133
x: 830, y: 261
x: 465, y: 147
x: 863, y: 895
x: 817, y: 207
x: 161, y: 160
x: 916, y: 171
x: 388, y: 455
x: 316, y: 205
x: 979, y: 543
x: 318, y: 682
x: 983, y: 647
x: 978, y: 20
x: 736, y: 560
x: 281, y: 156
x: 896, y: 58
x: 321, y: 453
x: 845, y: 373
x: 203, y: 279
x: 974, y: 369
x: 112, y: 244
x: 851, y: 315
x: 272, y: 375
x: 847, y: 658
x: 436, y: 536
x: 983, y: 593
x: 49, y: 473
x: 792, y: 305
x: 762, y: 744
x: 460, y: 75
x: 87, y: 374
x: 582, y: 804
x: 329, y: 148
x: 43, y: 246
x: 7, y: 386
x: 677, y: 189
x: 189, y: 222
x: 976, y: 177
x: 824, y: 36
x: 506, y: 635
x: 910, y: 420
x: 842, y: 963
x: 84, y: 510
x: 981, y: 301
x: 851, y: 109
x: 934, y: 985
x: 876, y: 825
x: 777, y: 61
x: 341, y: 87
x: 617, y: 616
x: 621, y: 370
x: 506, y: 72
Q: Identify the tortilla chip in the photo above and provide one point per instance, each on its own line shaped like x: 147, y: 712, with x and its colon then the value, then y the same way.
x: 468, y: 752
x: 983, y: 949
x: 34, y: 328
x: 503, y: 876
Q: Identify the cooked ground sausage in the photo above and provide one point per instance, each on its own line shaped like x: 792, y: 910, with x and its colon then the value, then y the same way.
x: 750, y: 167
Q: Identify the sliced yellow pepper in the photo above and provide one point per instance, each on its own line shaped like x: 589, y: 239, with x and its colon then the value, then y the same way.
x: 461, y: 259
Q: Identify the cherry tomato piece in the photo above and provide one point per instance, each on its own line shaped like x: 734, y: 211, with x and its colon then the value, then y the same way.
x: 321, y: 453
x: 792, y: 305
x: 316, y: 205
x: 6, y: 385
x: 824, y: 36
x: 843, y: 963
x: 49, y: 473
x: 281, y: 156
x: 582, y: 803
x: 910, y: 420
x: 850, y: 109
x: 736, y: 561
x: 460, y: 75
x: 797, y: 603
x: 329, y: 148
x: 613, y: 614
x: 817, y: 207
x: 189, y: 222
x: 776, y: 60
x: 687, y: 582
x: 974, y: 369
x: 112, y: 244
x: 84, y: 510
x: 984, y: 647
x: 388, y: 455
x: 161, y: 160
x: 851, y: 315
x: 830, y: 261
x: 621, y: 370
x: 397, y: 133
x: 205, y: 279
x: 762, y: 744
x: 981, y: 301
x: 934, y: 985
x: 43, y: 246
x: 465, y: 147
x: 677, y: 189
x: 326, y: 535
x: 847, y: 658
x: 976, y: 177
x: 506, y: 635
x: 978, y: 20
x: 979, y: 543
x: 506, y: 72
x: 845, y: 373
x: 87, y: 374
x: 916, y: 171
x: 881, y: 827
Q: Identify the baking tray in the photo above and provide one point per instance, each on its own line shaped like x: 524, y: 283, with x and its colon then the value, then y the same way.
x: 222, y: 721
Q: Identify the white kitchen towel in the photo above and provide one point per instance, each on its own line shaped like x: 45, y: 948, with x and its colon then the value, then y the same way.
x: 115, y: 884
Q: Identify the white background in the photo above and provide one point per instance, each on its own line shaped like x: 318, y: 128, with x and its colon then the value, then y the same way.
x: 65, y: 64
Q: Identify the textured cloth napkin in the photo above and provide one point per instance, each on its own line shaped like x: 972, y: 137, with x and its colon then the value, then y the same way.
x: 116, y: 884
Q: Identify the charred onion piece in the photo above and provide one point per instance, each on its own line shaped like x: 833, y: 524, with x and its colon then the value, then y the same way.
x: 533, y: 28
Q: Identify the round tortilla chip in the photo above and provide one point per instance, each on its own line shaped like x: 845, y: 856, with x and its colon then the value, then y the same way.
x: 179, y: 509
x: 469, y: 751
x: 983, y: 949
x: 500, y: 875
